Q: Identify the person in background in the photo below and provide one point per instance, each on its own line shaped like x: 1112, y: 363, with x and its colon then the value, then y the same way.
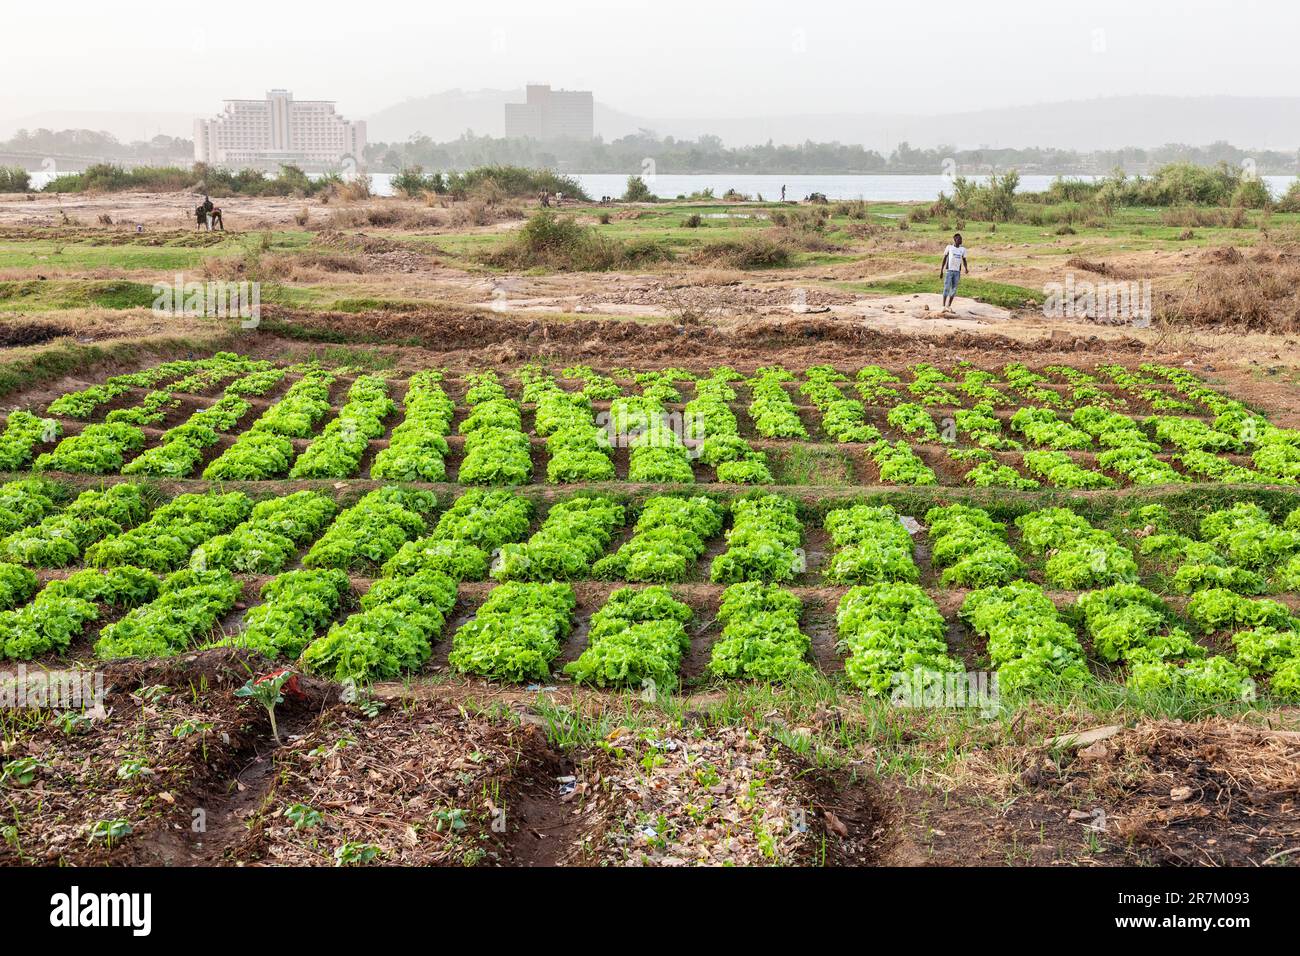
x: 203, y: 214
x: 954, y: 259
x: 783, y: 192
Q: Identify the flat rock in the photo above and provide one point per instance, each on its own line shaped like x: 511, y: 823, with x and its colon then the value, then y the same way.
x: 1085, y: 738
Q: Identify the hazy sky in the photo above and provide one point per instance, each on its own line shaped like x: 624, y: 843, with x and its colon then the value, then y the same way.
x: 661, y: 58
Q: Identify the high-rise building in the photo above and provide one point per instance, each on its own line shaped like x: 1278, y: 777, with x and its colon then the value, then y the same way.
x: 551, y: 114
x: 277, y: 130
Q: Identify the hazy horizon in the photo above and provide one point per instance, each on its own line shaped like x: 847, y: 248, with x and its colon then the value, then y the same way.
x: 650, y: 59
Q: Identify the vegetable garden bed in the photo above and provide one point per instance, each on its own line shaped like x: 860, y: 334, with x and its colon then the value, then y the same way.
x: 624, y: 529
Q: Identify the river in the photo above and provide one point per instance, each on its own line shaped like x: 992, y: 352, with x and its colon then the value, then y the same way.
x: 874, y: 188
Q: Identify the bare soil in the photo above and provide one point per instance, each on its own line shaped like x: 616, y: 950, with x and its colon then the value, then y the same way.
x: 468, y: 782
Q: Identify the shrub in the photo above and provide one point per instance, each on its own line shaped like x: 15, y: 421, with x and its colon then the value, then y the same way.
x: 1252, y: 193
x: 14, y: 179
x: 993, y: 201
x: 412, y: 183
x: 1290, y: 201
x: 552, y: 241
x: 638, y: 191
x: 758, y: 251
x: 513, y: 181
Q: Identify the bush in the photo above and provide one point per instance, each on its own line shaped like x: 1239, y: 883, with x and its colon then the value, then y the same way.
x: 1174, y: 184
x: 106, y: 177
x: 1248, y: 295
x: 350, y: 190
x: 1193, y: 216
x: 993, y: 201
x: 1072, y: 190
x: 412, y: 183
x: 1252, y: 193
x: 551, y: 241
x: 14, y: 179
x: 514, y: 181
x: 638, y: 191
x: 1290, y: 201
x: 759, y: 251
x: 855, y: 209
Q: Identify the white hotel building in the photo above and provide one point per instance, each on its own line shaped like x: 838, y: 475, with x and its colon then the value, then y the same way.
x: 277, y: 130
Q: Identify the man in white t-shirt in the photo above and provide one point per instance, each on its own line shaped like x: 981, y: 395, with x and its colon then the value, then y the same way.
x: 954, y: 258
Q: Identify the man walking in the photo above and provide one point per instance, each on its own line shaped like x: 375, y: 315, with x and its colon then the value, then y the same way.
x: 954, y: 258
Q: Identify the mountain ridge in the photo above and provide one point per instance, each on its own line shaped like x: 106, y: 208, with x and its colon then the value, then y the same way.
x: 1101, y: 123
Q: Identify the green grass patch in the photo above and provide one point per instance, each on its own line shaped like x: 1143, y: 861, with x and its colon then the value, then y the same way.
x: 871, y: 733
x: 801, y: 465
x: 981, y: 290
x: 56, y: 295
x: 39, y: 364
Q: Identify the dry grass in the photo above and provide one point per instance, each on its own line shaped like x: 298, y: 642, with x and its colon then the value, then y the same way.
x: 1173, y: 784
x: 1097, y: 268
x: 430, y: 212
x: 769, y: 249
x: 471, y: 213
x: 311, y: 265
x: 390, y: 215
x: 356, y: 190
x: 1189, y: 216
x: 1242, y: 294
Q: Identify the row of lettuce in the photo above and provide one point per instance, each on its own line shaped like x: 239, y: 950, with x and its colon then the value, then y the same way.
x: 172, y: 571
x: 197, y: 543
x: 663, y: 444
x: 1125, y: 449
x: 1239, y: 548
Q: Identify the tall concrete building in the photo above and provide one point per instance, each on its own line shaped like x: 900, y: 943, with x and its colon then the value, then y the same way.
x: 551, y: 114
x: 277, y: 130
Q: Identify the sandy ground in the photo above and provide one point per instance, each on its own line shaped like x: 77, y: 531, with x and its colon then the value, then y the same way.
x: 152, y: 210
x: 382, y: 265
x: 892, y: 313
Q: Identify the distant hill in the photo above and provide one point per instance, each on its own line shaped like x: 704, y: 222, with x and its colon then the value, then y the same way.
x: 443, y: 116
x: 1086, y: 125
x: 1115, y: 122
x: 1103, y: 123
